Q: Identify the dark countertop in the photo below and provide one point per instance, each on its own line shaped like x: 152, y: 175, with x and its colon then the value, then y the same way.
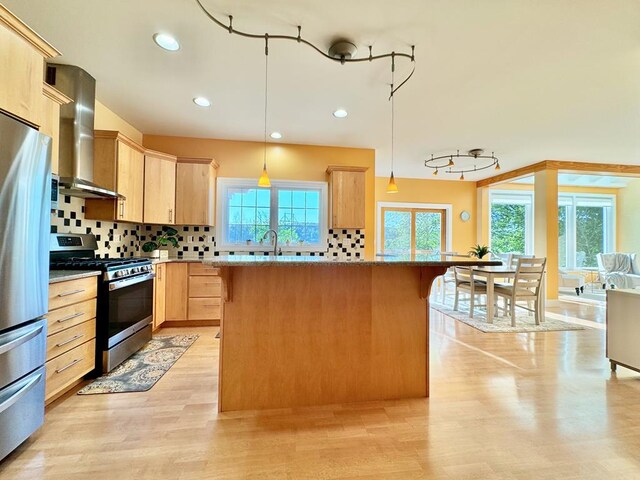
x: 56, y: 276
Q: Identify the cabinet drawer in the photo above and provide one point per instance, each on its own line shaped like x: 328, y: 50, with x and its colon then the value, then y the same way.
x: 63, y: 341
x: 74, y: 291
x: 64, y: 370
x: 202, y: 269
x: 204, y: 309
x: 205, y: 286
x: 66, y: 317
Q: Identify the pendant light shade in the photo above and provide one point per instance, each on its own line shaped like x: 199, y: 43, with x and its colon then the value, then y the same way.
x: 392, y: 187
x: 264, y: 181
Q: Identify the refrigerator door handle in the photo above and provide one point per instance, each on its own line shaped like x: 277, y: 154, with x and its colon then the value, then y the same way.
x: 16, y: 392
x: 11, y: 340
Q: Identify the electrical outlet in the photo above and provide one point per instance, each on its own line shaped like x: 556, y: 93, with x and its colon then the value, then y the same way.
x: 119, y: 238
x: 190, y: 239
x: 212, y: 239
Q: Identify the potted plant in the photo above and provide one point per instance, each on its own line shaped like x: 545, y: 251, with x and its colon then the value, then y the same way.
x: 168, y: 237
x: 479, y: 251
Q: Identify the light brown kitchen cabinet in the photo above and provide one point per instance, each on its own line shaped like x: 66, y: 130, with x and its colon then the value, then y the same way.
x: 159, y: 188
x: 347, y: 196
x: 71, y: 333
x: 50, y: 119
x: 195, y: 191
x: 22, y: 55
x: 193, y: 294
x: 177, y: 291
x: 159, y: 295
x: 118, y: 165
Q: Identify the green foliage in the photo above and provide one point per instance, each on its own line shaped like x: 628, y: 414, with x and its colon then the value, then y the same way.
x: 479, y: 251
x: 168, y: 237
x: 397, y: 231
x: 589, y: 233
x: 507, y: 228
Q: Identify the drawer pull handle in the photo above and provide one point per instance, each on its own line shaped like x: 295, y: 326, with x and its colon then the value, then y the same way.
x: 72, y: 339
x: 72, y: 292
x: 71, y: 317
x: 60, y: 370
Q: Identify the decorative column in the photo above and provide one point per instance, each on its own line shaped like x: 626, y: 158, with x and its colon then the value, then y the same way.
x: 545, y: 225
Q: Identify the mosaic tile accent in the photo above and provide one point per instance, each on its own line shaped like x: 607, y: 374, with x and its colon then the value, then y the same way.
x: 126, y: 240
x: 115, y: 240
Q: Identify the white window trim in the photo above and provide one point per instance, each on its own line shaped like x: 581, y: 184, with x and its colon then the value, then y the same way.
x: 517, y: 197
x: 447, y: 207
x: 224, y: 183
x: 572, y: 200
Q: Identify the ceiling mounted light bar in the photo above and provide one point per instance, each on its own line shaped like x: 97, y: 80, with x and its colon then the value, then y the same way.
x: 342, y: 51
x: 448, y: 163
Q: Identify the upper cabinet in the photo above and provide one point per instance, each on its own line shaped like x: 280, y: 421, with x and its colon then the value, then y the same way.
x: 50, y: 119
x: 118, y: 165
x: 22, y: 55
x: 347, y: 196
x: 195, y: 191
x: 159, y: 188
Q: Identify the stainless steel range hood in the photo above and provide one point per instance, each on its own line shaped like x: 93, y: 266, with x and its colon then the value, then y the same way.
x: 76, y: 132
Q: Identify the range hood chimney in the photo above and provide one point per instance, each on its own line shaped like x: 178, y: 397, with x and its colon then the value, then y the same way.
x: 76, y: 132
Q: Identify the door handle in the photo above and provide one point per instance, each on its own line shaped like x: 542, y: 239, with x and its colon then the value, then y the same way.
x: 72, y: 292
x: 77, y: 360
x: 21, y: 391
x: 70, y: 317
x: 18, y: 337
x: 170, y: 215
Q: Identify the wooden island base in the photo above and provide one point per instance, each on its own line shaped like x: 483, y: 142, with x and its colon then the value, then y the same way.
x: 322, y: 334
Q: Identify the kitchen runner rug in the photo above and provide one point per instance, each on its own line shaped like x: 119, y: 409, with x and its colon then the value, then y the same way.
x: 502, y: 324
x: 144, y: 368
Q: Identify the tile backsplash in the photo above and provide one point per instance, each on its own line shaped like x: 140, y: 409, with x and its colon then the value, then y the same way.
x: 126, y: 239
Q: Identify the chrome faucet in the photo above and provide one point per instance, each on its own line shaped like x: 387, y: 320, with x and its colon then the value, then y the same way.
x: 275, y: 236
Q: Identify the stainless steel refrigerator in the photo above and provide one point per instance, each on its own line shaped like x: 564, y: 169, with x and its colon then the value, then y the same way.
x: 25, y: 204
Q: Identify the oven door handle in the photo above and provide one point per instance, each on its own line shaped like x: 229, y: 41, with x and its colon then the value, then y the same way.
x: 126, y: 282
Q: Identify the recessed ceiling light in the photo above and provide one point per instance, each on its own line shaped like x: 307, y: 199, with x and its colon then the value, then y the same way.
x: 340, y: 113
x: 202, y: 102
x: 166, y: 41
x: 276, y: 135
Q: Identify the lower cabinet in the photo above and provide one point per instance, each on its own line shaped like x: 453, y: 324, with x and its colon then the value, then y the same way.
x: 192, y: 294
x: 159, y: 295
x: 71, y: 344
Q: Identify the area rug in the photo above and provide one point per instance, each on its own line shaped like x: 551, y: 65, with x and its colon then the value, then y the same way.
x: 144, y: 368
x: 502, y: 324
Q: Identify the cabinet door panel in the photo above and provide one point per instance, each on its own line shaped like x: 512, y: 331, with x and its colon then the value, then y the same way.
x: 159, y: 190
x: 195, y: 192
x: 160, y: 290
x: 130, y: 183
x: 177, y: 291
x: 347, y: 199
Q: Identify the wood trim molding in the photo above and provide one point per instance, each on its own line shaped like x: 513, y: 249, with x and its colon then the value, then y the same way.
x: 345, y: 168
x: 160, y: 155
x: 54, y: 94
x: 115, y: 135
x: 618, y: 169
x: 202, y: 160
x: 22, y: 29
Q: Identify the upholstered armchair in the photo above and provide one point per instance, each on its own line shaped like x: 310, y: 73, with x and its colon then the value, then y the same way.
x: 618, y: 270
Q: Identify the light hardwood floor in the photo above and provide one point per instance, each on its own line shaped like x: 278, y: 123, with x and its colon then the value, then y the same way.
x: 502, y: 406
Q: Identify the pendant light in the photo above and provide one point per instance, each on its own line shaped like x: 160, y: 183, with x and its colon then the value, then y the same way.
x: 264, y: 181
x: 392, y: 187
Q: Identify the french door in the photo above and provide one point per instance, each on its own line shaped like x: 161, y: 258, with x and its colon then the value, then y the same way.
x: 413, y: 230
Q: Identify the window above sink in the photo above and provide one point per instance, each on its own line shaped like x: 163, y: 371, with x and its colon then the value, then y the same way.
x: 297, y: 210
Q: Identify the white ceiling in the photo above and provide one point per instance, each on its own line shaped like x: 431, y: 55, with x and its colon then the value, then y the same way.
x: 585, y: 180
x: 530, y: 80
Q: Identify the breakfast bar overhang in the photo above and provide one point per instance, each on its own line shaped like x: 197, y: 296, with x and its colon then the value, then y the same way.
x: 299, y: 331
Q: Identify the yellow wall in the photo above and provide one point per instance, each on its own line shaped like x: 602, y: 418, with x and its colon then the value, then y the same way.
x: 106, y: 119
x: 460, y: 195
x: 239, y: 159
x: 628, y: 216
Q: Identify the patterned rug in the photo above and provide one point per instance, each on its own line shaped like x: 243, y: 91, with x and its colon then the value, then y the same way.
x: 501, y: 324
x: 144, y: 368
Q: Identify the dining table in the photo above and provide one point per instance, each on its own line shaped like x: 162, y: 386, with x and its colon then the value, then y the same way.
x: 501, y: 272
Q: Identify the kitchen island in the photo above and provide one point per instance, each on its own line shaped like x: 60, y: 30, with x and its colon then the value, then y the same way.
x: 300, y: 331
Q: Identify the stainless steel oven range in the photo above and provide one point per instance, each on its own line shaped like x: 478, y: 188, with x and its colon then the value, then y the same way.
x: 125, y: 296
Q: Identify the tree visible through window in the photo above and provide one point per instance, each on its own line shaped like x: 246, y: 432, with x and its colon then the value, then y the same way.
x: 508, y: 228
x: 590, y: 237
x: 413, y: 230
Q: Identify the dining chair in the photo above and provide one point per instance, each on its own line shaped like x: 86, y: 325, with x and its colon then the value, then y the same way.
x: 466, y: 283
x: 447, y: 278
x: 526, y: 286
